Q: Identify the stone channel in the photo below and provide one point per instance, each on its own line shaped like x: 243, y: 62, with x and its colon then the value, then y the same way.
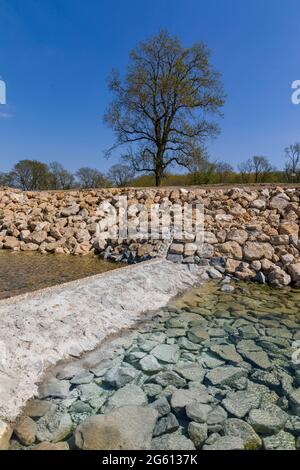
x: 217, y: 368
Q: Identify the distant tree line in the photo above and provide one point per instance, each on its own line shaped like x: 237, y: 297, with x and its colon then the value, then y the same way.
x: 33, y: 175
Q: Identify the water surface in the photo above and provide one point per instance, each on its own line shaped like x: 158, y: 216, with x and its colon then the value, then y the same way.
x: 22, y: 272
x: 223, y: 361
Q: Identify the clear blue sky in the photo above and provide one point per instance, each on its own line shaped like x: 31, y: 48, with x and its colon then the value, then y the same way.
x: 56, y: 55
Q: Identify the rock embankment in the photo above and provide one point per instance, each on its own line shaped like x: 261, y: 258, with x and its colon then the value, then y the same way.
x: 251, y: 233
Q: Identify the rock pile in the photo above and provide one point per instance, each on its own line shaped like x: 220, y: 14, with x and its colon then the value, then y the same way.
x: 251, y: 233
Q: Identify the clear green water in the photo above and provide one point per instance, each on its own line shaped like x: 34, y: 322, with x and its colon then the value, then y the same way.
x: 253, y: 332
x: 22, y: 272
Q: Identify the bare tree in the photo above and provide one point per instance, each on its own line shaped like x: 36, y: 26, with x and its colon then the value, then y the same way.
x: 90, y: 178
x: 261, y: 168
x: 120, y: 175
x: 245, y: 169
x: 161, y: 107
x: 60, y: 177
x: 223, y: 170
x: 292, y: 167
x: 30, y: 175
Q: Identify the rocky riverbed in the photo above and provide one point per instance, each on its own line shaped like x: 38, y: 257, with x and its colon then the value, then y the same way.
x: 218, y: 368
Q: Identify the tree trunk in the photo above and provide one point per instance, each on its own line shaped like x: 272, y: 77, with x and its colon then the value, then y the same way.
x: 158, y: 178
x: 159, y: 171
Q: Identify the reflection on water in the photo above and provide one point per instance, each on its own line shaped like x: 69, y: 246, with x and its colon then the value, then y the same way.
x: 22, y: 272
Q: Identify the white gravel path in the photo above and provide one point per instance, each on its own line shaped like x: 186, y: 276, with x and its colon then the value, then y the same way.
x: 41, y: 328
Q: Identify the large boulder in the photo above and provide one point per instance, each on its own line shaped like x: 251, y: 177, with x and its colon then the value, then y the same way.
x: 25, y: 431
x: 257, y: 250
x: 131, y: 394
x: 126, y: 428
x: 231, y: 249
x: 279, y: 202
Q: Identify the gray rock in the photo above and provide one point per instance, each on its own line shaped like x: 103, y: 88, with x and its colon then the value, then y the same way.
x: 197, y: 433
x: 81, y: 407
x: 198, y: 411
x: 129, y: 395
x: 120, y: 376
x: 227, y: 288
x: 227, y: 352
x: 54, y: 426
x: 213, y: 437
x: 169, y: 377
x: 152, y: 390
x: 209, y: 361
x: 264, y: 422
x: 184, y: 343
x: 165, y: 425
x: 84, y: 377
x: 248, y: 345
x: 279, y: 332
x: 197, y: 335
x: 294, y: 398
x: 173, y: 441
x: 181, y: 398
x: 293, y: 425
x: 147, y: 345
x: 89, y: 391
x: 134, y: 356
x: 190, y: 371
x: 280, y: 441
x: 175, y: 332
x: 126, y: 428
x: 258, y: 359
x: 162, y: 406
x: 239, y: 428
x: 240, y: 403
x: 175, y: 258
x: 248, y: 332
x: 225, y: 375
x: 70, y: 210
x: 176, y: 322
x: 226, y: 443
x: 54, y: 388
x: 166, y: 353
x: 150, y: 364
x: 266, y: 378
x: 216, y: 416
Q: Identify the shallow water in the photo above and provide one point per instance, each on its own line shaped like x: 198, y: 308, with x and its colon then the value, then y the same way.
x: 22, y: 272
x: 184, y: 348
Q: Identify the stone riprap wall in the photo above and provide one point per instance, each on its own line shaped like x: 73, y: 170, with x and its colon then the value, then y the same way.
x: 249, y: 233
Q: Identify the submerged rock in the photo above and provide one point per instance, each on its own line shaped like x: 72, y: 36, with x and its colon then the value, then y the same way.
x: 238, y: 428
x: 129, y: 395
x: 173, y: 441
x: 126, y: 428
x: 226, y: 443
x: 225, y: 375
